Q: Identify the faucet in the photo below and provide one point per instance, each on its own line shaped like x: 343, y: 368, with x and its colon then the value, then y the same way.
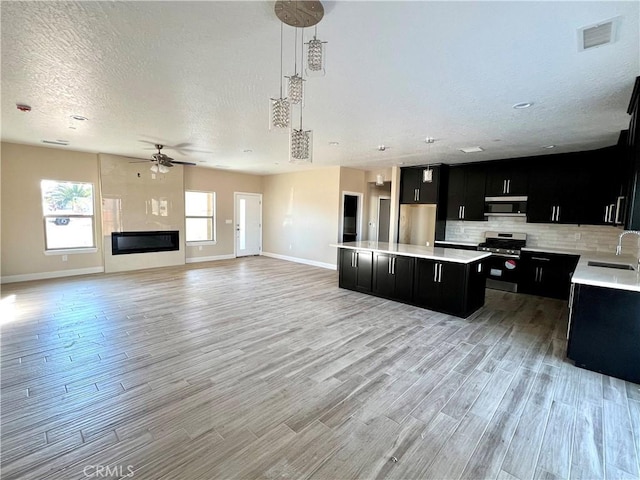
x: 626, y: 232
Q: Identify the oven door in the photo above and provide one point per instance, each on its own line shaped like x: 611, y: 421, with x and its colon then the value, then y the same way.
x: 503, y: 272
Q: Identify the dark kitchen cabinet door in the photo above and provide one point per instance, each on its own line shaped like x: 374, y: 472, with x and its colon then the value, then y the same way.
x: 465, y: 194
x: 414, y: 190
x: 393, y: 276
x: 440, y: 286
x: 356, y: 269
x: 604, y: 189
x: 546, y: 274
x: 604, y: 331
x: 507, y: 178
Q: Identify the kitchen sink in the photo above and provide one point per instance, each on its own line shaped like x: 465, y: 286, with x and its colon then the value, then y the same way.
x: 619, y: 266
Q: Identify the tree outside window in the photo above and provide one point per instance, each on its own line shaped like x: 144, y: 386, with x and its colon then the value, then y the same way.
x: 68, y: 214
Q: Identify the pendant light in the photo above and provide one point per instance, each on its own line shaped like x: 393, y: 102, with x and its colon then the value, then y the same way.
x: 301, y: 141
x: 280, y: 109
x: 294, y: 91
x: 316, y: 55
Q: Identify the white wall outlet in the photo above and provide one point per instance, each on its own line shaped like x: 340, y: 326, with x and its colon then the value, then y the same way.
x: 65, y: 258
x: 577, y: 236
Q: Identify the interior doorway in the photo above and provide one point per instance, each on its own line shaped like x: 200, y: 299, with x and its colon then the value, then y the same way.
x: 384, y: 218
x: 248, y: 221
x: 351, y: 216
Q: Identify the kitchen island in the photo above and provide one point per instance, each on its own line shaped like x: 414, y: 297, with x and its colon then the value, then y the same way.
x: 604, y: 316
x: 445, y: 280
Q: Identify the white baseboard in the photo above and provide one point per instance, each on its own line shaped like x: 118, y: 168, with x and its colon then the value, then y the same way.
x: 313, y: 263
x: 209, y: 259
x: 47, y: 275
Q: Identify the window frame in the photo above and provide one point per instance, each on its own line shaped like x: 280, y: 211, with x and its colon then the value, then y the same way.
x: 46, y: 216
x: 214, y: 233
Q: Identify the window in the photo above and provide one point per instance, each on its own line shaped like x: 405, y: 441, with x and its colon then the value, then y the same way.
x: 68, y: 214
x: 200, y: 210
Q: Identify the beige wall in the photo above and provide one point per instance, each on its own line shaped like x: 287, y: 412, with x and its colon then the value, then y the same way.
x: 224, y: 184
x: 300, y: 215
x: 23, y: 247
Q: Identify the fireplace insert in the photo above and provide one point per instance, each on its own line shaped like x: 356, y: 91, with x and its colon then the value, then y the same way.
x: 144, y: 242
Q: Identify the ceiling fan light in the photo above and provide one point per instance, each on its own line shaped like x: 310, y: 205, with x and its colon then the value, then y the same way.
x: 163, y: 169
x: 154, y: 168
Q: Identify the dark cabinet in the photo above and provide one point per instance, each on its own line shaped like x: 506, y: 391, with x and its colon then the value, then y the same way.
x: 415, y: 188
x: 546, y: 274
x: 466, y: 188
x: 631, y: 152
x: 356, y: 268
x: 604, y: 331
x: 449, y: 287
x: 506, y: 178
x: 393, y: 276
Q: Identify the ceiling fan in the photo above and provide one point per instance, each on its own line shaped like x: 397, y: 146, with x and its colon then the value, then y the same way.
x: 183, y: 148
x: 162, y: 162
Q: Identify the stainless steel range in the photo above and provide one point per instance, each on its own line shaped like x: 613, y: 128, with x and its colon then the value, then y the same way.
x: 504, y: 264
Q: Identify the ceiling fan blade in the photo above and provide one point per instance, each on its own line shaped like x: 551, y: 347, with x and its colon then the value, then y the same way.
x: 141, y: 161
x: 182, y: 163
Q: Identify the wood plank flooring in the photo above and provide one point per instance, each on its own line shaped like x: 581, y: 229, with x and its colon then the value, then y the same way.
x: 260, y: 368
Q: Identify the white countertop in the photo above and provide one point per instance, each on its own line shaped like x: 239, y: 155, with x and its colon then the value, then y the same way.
x: 564, y: 251
x: 607, y: 277
x: 465, y: 244
x: 433, y: 253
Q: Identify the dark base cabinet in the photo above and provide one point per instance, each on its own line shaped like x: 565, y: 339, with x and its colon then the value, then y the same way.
x: 448, y: 287
x: 546, y: 274
x: 356, y: 268
x: 604, y: 331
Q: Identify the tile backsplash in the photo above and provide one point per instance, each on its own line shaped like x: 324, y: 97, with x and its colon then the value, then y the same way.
x: 574, y: 237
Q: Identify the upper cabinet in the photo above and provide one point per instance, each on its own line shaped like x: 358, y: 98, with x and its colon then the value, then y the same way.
x: 419, y: 186
x: 466, y: 188
x: 632, y: 155
x: 506, y: 178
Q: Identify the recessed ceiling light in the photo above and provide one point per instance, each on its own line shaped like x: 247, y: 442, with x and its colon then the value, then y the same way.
x: 248, y: 150
x: 381, y: 148
x: 429, y: 140
x: 333, y: 144
x: 549, y: 146
x: 521, y: 105
x: 471, y: 149
x: 79, y: 118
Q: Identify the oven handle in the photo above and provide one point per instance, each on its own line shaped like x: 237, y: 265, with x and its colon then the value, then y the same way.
x: 505, y: 255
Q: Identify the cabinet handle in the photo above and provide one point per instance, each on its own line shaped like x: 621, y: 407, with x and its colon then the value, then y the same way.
x: 463, y: 208
x: 553, y: 213
x: 558, y: 214
x: 541, y: 269
x: 393, y: 266
x: 536, y: 275
x: 606, y: 213
x: 440, y: 272
x: 611, y: 207
x: 542, y: 259
x: 571, y: 292
x: 504, y: 186
x: 417, y: 194
x: 435, y: 272
x: 618, y: 220
x: 355, y: 256
x: 508, y: 186
x: 353, y: 262
x: 460, y: 212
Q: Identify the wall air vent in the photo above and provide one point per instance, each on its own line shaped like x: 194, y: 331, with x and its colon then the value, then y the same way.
x: 597, y: 35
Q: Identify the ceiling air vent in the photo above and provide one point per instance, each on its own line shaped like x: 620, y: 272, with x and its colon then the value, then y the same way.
x: 597, y: 35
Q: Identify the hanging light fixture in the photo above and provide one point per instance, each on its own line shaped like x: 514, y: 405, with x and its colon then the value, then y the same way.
x: 280, y: 109
x: 294, y: 91
x: 301, y: 141
x: 315, y: 56
x: 427, y: 173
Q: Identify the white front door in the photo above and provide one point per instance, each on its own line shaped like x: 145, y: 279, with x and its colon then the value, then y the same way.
x: 248, y: 212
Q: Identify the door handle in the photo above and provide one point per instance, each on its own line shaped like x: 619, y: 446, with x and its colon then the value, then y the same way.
x: 435, y: 272
x: 440, y: 272
x: 611, y: 207
x: 618, y: 208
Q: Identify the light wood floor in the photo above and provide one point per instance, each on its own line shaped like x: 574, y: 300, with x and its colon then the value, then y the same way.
x: 260, y: 368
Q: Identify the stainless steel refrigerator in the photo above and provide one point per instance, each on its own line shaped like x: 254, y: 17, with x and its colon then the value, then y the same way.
x: 417, y: 225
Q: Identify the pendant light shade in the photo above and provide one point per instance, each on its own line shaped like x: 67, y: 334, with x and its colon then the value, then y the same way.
x: 301, y: 146
x: 279, y: 108
x: 315, y: 57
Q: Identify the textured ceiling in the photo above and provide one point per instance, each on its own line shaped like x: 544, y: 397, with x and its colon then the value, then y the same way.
x: 397, y: 72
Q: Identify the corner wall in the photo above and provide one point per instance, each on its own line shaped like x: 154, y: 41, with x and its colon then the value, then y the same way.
x: 300, y: 216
